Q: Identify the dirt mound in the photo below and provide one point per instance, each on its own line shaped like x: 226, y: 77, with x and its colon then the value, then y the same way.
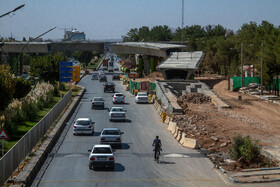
x: 195, y: 98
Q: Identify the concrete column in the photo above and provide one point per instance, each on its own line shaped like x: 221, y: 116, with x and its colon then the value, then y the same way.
x: 152, y: 64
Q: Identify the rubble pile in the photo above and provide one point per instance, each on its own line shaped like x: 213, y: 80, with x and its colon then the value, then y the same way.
x: 253, y: 89
x: 194, y: 97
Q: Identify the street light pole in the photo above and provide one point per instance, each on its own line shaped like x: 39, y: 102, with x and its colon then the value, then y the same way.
x: 242, y: 64
x: 182, y: 21
x: 262, y: 71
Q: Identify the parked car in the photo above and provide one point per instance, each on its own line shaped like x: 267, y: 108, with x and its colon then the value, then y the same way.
x: 109, y: 86
x: 102, y: 78
x: 83, y: 126
x: 116, y: 68
x: 105, y: 68
x: 142, y: 97
x: 101, y: 156
x: 94, y: 77
x: 97, y: 102
x: 111, y: 136
x: 116, y: 77
x: 117, y: 114
x: 118, y: 98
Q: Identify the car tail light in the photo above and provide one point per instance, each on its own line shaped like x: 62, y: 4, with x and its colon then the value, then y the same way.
x: 93, y: 103
x: 114, y: 97
x: 123, y: 97
x: 102, y: 103
x: 113, y: 86
x: 118, y: 139
x: 89, y: 127
x: 103, y: 139
x: 111, y: 114
x: 123, y: 115
x: 92, y: 158
x: 75, y: 126
x: 111, y: 158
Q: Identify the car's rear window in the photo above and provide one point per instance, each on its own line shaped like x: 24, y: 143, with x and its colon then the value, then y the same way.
x: 98, y: 99
x: 119, y: 94
x: 117, y: 110
x: 110, y: 132
x: 101, y: 150
x: 83, y: 122
x: 142, y: 94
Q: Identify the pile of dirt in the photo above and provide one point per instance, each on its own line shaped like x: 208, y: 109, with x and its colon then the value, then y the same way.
x: 214, y: 129
x: 195, y: 98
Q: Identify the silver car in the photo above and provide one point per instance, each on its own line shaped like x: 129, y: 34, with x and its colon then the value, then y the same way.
x: 97, y: 102
x: 101, y: 156
x: 142, y: 97
x: 118, y: 98
x: 111, y: 136
x: 83, y: 126
x: 117, y: 114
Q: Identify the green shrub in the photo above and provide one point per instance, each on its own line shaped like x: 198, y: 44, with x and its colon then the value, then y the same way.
x: 245, y: 147
x: 22, y: 88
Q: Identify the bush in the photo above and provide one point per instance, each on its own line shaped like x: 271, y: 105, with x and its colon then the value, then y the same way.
x: 244, y: 147
x: 22, y: 88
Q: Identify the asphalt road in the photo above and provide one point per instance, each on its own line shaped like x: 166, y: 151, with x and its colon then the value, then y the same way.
x: 67, y: 165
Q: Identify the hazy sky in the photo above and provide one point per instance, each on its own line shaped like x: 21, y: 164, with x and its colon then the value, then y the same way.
x: 110, y: 19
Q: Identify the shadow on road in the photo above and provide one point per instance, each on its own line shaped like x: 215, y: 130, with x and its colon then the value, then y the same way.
x: 122, y: 146
x: 118, y: 168
x: 165, y: 162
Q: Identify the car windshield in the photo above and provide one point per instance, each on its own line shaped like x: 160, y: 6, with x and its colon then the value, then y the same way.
x: 117, y: 110
x: 101, y: 150
x: 111, y: 132
x: 83, y: 122
x: 98, y: 99
x: 142, y: 94
x: 94, y: 75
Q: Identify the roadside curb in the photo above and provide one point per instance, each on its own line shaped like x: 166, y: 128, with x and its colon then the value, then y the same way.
x: 30, y: 170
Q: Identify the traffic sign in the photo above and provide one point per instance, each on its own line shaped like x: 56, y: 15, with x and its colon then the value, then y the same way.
x: 3, y: 134
x: 65, y: 74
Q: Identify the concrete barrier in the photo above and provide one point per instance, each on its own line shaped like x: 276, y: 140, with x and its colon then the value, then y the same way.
x: 190, y: 143
x: 171, y: 127
x: 179, y: 136
x: 175, y: 134
x: 182, y: 138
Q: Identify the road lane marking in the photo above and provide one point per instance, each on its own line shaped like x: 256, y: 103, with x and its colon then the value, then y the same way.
x: 135, y: 180
x: 176, y: 156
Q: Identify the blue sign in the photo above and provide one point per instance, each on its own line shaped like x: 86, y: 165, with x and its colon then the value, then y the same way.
x: 65, y: 74
x: 62, y: 64
x: 61, y: 79
x: 65, y: 69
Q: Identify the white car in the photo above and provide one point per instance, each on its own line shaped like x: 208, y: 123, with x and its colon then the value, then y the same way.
x: 118, y: 98
x: 83, y: 126
x: 101, y: 156
x: 111, y: 136
x: 117, y: 114
x: 142, y: 97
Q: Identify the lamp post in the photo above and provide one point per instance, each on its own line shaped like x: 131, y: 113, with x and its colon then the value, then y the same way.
x: 242, y: 46
x: 182, y: 21
x: 262, y: 71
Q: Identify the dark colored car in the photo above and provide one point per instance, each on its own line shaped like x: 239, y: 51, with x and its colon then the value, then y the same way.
x: 109, y: 86
x: 103, y: 78
x: 115, y: 77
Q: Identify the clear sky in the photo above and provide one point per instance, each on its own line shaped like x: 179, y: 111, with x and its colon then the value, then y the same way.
x: 110, y: 19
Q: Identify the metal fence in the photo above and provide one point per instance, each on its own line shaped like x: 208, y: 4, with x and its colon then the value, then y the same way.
x: 19, y: 151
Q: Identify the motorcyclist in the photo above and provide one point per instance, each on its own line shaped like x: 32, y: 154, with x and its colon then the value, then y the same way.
x: 157, y: 144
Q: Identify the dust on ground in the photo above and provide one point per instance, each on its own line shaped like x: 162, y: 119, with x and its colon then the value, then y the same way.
x: 214, y: 129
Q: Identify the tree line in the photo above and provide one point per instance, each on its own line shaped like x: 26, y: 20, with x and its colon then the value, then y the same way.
x: 222, y: 46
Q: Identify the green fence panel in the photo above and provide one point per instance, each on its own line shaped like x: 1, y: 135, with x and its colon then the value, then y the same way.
x: 132, y: 85
x: 274, y: 84
x: 152, y: 86
x: 246, y: 81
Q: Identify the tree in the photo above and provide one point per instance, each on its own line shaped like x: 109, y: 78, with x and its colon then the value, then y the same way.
x: 7, y: 86
x: 47, y: 67
x: 131, y: 36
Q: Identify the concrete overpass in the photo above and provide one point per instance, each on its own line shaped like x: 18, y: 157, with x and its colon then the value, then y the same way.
x: 47, y: 47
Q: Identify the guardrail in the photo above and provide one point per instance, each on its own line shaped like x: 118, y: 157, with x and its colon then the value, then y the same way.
x: 12, y: 159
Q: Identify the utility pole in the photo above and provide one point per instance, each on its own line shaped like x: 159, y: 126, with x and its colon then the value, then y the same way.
x: 242, y: 64
x: 262, y: 71
x: 182, y: 21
